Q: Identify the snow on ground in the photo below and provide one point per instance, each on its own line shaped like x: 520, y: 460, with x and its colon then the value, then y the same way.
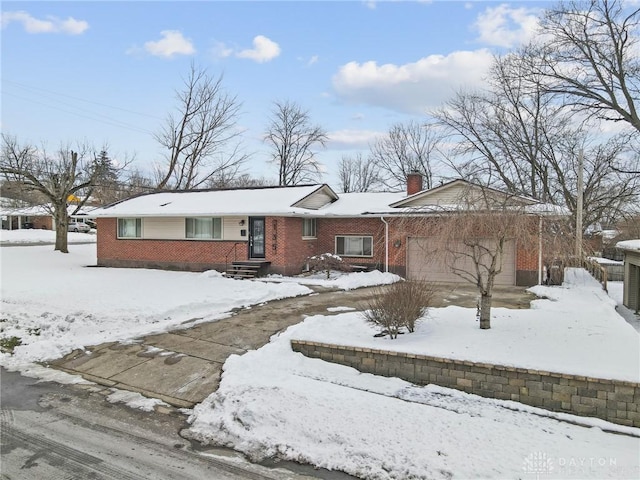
x: 339, y: 280
x: 58, y: 302
x: 35, y: 236
x: 134, y: 400
x: 575, y: 330
x: 275, y: 402
x: 616, y: 291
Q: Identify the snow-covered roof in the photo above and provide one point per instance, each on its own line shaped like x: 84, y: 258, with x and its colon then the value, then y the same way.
x: 306, y: 200
x: 246, y: 201
x: 629, y: 245
x: 351, y: 204
x: 34, y: 211
x: 43, y: 211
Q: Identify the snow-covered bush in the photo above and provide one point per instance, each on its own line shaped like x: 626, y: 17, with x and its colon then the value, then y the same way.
x: 399, y: 306
x: 326, y: 262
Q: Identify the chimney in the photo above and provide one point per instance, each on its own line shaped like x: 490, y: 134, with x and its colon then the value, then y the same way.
x: 414, y: 183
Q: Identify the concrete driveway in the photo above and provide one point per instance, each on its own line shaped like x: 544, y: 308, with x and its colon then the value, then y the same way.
x: 183, y: 367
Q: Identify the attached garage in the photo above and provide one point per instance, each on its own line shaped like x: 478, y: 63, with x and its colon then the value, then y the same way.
x: 424, y: 262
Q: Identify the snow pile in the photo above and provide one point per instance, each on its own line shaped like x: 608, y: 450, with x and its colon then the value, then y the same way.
x: 57, y: 302
x: 340, y: 280
x: 276, y: 403
x: 135, y: 400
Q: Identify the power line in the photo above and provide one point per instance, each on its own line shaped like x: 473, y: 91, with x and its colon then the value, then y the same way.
x: 91, y: 116
x: 22, y: 85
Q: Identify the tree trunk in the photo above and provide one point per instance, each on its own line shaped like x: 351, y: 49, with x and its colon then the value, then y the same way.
x: 485, y: 311
x: 61, y: 219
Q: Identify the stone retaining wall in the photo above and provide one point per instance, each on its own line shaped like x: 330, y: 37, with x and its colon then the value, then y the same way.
x: 612, y: 400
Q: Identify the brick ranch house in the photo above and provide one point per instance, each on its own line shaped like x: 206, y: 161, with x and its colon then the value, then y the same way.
x: 280, y: 227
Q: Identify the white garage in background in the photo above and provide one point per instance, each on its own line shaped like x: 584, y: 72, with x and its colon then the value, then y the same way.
x: 425, y: 264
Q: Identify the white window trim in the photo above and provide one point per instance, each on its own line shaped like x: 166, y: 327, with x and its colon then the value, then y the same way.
x: 212, y: 239
x: 352, y: 236
x: 128, y: 218
x: 315, y: 228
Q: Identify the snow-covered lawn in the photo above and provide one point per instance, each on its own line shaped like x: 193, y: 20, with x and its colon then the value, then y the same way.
x: 273, y: 401
x: 35, y: 236
x: 58, y: 302
x: 575, y: 329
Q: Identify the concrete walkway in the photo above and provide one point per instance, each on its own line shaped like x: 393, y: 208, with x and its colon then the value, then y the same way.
x: 183, y: 367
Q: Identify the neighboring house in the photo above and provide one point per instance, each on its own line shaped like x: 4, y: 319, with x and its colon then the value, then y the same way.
x: 19, y: 215
x: 281, y: 227
x: 631, y: 296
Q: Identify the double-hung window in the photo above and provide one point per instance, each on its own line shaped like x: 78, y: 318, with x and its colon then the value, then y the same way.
x: 354, y: 246
x: 204, y: 228
x: 129, y: 228
x: 309, y: 227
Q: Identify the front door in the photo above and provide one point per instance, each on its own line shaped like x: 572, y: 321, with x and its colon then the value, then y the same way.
x: 256, y: 237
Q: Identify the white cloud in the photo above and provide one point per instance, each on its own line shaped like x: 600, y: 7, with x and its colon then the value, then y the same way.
x: 313, y: 60
x: 263, y: 50
x: 412, y: 87
x: 70, y: 26
x: 348, y: 139
x: 172, y: 43
x: 220, y: 50
x: 370, y: 4
x: 503, y: 26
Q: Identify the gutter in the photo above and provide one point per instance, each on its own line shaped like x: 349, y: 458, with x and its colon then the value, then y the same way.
x: 386, y: 245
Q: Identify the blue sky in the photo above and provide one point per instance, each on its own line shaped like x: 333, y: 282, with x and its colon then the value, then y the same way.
x: 107, y: 71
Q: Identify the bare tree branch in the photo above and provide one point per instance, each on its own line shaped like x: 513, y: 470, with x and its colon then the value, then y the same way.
x: 409, y: 147
x: 56, y: 177
x: 357, y: 174
x: 201, y: 137
x: 292, y: 138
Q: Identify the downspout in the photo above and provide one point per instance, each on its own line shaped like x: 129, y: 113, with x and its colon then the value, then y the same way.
x: 386, y: 244
x: 540, y: 250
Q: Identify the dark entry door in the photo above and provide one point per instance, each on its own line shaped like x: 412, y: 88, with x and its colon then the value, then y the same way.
x: 256, y: 237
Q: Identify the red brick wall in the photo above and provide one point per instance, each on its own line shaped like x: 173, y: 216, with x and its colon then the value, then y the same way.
x: 177, y: 254
x: 285, y: 247
x: 44, y: 222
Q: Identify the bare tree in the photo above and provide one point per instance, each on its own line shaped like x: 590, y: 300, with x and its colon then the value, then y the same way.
x: 293, y: 138
x: 239, y: 181
x: 473, y: 239
x: 56, y: 177
x: 201, y: 136
x: 357, y: 174
x: 517, y: 137
x: 590, y: 56
x: 406, y: 148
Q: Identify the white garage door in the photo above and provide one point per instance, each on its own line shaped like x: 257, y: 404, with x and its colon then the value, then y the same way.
x: 425, y: 264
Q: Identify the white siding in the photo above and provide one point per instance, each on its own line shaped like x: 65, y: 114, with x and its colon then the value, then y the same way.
x: 173, y: 228
x: 315, y: 201
x: 163, y: 228
x: 231, y: 228
x: 447, y: 196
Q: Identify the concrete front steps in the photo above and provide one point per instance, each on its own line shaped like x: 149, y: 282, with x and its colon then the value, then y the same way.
x: 247, y: 269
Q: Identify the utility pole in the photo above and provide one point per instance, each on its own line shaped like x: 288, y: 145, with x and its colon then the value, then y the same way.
x: 579, y: 201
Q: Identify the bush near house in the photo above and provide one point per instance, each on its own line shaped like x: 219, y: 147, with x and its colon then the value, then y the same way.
x: 399, y: 306
x: 326, y: 262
